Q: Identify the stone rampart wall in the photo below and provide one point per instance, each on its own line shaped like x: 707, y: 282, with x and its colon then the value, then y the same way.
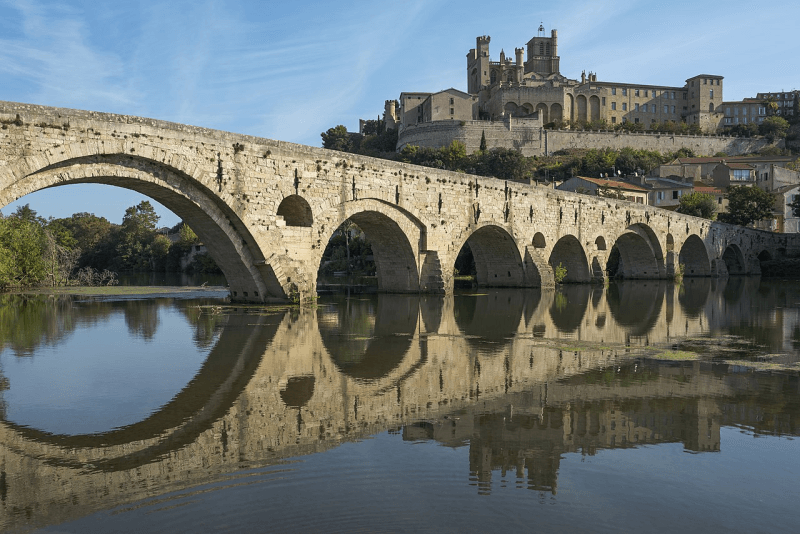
x: 526, y: 136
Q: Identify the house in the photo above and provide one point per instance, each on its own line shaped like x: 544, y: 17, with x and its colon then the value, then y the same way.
x: 728, y: 174
x: 603, y: 186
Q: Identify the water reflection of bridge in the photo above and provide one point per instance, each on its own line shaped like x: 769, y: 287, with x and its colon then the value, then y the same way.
x: 301, y: 381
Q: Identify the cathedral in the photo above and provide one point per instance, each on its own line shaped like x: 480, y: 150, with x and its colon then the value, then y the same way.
x: 530, y: 86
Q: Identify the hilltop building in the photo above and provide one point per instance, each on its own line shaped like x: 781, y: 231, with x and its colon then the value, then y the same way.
x: 517, y: 102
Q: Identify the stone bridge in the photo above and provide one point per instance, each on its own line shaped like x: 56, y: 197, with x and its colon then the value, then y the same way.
x: 266, y: 209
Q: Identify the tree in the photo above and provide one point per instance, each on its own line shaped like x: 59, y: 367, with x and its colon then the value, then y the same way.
x: 698, y: 205
x: 337, y: 138
x: 773, y: 128
x: 136, y: 234
x: 482, y: 148
x: 747, y: 205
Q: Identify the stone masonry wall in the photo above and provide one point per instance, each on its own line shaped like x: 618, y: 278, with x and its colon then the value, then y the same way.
x: 531, y: 140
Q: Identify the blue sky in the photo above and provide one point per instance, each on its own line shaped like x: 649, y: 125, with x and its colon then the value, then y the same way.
x: 290, y: 70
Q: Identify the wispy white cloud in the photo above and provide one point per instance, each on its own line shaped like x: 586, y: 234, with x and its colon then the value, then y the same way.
x: 52, y: 57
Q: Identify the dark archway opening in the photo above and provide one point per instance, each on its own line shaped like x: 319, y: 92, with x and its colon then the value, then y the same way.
x: 734, y: 260
x: 348, y: 260
x: 569, y: 253
x: 495, y: 258
x: 632, y: 258
x: 694, y: 257
x: 296, y: 211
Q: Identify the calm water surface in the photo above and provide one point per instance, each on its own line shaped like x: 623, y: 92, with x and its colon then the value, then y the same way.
x: 635, y: 407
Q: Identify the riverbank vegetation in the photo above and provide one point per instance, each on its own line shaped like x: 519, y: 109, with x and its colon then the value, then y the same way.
x: 88, y: 250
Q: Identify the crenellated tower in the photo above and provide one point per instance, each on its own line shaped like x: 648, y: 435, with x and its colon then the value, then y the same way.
x: 543, y: 54
x: 478, y: 65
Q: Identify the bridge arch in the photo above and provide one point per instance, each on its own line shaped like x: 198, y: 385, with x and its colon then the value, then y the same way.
x: 569, y: 253
x: 734, y: 260
x: 397, y: 238
x: 639, y: 253
x: 498, y: 262
x: 694, y: 257
x: 227, y: 238
x: 296, y: 211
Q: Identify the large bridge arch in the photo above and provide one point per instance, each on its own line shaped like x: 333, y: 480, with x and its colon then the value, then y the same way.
x: 498, y: 260
x: 694, y: 257
x: 228, y: 240
x: 570, y: 254
x: 397, y: 237
x: 640, y: 254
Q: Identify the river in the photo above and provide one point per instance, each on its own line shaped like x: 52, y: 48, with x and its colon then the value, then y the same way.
x: 631, y: 407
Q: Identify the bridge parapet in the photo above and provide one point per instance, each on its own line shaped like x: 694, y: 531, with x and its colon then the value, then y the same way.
x: 266, y: 209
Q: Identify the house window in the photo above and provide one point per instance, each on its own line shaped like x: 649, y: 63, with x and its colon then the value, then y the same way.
x: 666, y: 109
x: 674, y: 195
x: 604, y: 101
x: 452, y: 111
x: 710, y: 93
x: 614, y: 105
x: 705, y: 81
x: 636, y: 120
x: 451, y: 102
x: 645, y: 92
x: 624, y: 92
x: 613, y: 90
x: 636, y: 107
x: 660, y: 196
x: 673, y: 109
x: 636, y: 92
x: 624, y: 106
x: 673, y: 95
x: 613, y: 120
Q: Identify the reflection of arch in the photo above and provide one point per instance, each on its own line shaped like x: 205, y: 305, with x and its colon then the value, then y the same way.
x: 539, y: 241
x: 298, y: 391
x: 226, y: 237
x: 580, y: 102
x: 295, y: 211
x: 365, y: 338
x: 489, y: 320
x: 694, y: 296
x: 497, y: 259
x: 209, y: 396
x: 556, y: 112
x: 569, y: 252
x: 569, y: 306
x: 636, y: 257
x: 734, y: 260
x: 541, y: 109
x: 395, y: 236
x: 600, y: 243
x: 636, y: 305
x: 694, y: 257
x: 594, y: 108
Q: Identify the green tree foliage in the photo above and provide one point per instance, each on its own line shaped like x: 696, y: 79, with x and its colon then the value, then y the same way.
x: 482, y: 147
x: 698, y: 205
x: 337, y: 138
x: 747, y: 205
x: 23, y: 244
x: 136, y: 248
x: 773, y: 128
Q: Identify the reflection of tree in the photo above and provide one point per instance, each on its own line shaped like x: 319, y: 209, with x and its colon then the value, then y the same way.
x: 27, y: 321
x: 141, y: 317
x: 206, y: 324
